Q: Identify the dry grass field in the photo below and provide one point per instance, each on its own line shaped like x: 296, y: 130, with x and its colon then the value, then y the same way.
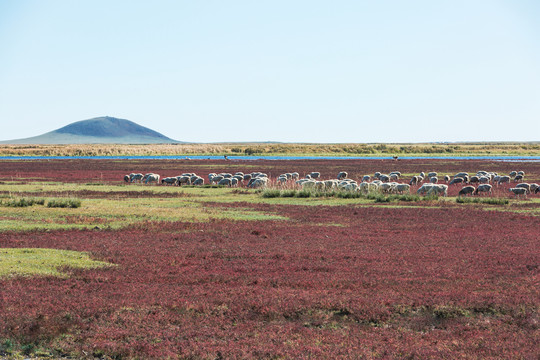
x: 274, y: 149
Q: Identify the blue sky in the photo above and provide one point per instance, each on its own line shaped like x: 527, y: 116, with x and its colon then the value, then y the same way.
x: 292, y: 71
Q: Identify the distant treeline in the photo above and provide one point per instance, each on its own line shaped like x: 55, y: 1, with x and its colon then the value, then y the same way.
x: 255, y: 149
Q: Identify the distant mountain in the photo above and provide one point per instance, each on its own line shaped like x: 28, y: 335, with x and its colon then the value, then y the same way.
x: 100, y: 130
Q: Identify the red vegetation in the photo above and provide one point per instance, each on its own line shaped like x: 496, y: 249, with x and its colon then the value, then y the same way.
x: 412, y: 282
x: 334, y: 282
x: 78, y: 170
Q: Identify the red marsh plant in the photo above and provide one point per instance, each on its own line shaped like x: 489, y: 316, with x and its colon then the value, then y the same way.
x: 84, y: 171
x: 334, y: 282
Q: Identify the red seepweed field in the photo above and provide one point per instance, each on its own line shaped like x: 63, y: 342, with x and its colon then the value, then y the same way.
x: 349, y: 279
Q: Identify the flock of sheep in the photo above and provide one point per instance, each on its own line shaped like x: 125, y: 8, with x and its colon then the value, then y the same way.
x: 379, y: 182
x: 254, y: 180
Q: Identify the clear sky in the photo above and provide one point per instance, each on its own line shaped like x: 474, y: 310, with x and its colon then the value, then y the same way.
x: 292, y: 71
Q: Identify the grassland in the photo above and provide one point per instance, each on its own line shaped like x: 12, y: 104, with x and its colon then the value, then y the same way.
x: 277, y: 149
x: 44, y: 262
x: 118, y: 206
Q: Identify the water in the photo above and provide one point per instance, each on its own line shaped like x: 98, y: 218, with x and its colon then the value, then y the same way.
x: 217, y: 157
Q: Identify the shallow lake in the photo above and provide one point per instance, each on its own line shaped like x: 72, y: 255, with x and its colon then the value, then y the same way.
x: 220, y: 157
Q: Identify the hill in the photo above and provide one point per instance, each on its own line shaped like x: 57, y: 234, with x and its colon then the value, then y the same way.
x: 100, y: 130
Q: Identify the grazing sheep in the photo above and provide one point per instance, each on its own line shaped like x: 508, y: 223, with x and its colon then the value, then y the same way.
x: 433, y: 189
x: 351, y: 187
x: 136, y: 177
x: 384, y: 178
x: 169, y: 181
x: 423, y: 174
x: 198, y: 181
x: 424, y: 189
x: 525, y: 186
x: 330, y: 184
x: 434, y: 180
x: 377, y: 174
x: 446, y: 178
x: 438, y: 189
x: 518, y: 178
x: 398, y: 173
x: 239, y: 177
x: 225, y: 182
x: 126, y: 178
x: 503, y: 179
x: 149, y: 178
x: 295, y: 175
x: 474, y: 180
x: 216, y: 179
x: 467, y: 190
x: 394, y: 177
x: 366, y: 178
x: 258, y: 182
x: 518, y: 191
x: 342, y: 175
x: 522, y: 173
x: 387, y: 187
x: 484, y: 179
x: 367, y: 187
x: 211, y: 177
x: 402, y: 188
x: 461, y: 175
x: 247, y: 177
x: 486, y: 188
x: 315, y: 175
x: 432, y: 174
x: 457, y: 180
x: 534, y: 187
x: 309, y: 184
x: 183, y: 180
x: 513, y: 174
x: 234, y: 181
x: 415, y: 180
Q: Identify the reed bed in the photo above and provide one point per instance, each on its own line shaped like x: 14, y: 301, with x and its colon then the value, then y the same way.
x: 261, y: 149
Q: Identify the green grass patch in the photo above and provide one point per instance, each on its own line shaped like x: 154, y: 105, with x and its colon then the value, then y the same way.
x: 64, y: 203
x: 381, y: 198
x: 312, y: 193
x: 271, y: 193
x: 490, y: 201
x: 115, y: 214
x: 44, y: 262
x: 22, y: 202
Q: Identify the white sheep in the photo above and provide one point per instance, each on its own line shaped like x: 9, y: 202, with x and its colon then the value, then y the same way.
x: 485, y: 188
x: 467, y: 190
x: 518, y: 191
x: 149, y: 178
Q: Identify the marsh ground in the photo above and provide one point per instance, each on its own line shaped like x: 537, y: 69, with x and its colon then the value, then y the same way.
x: 225, y: 273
